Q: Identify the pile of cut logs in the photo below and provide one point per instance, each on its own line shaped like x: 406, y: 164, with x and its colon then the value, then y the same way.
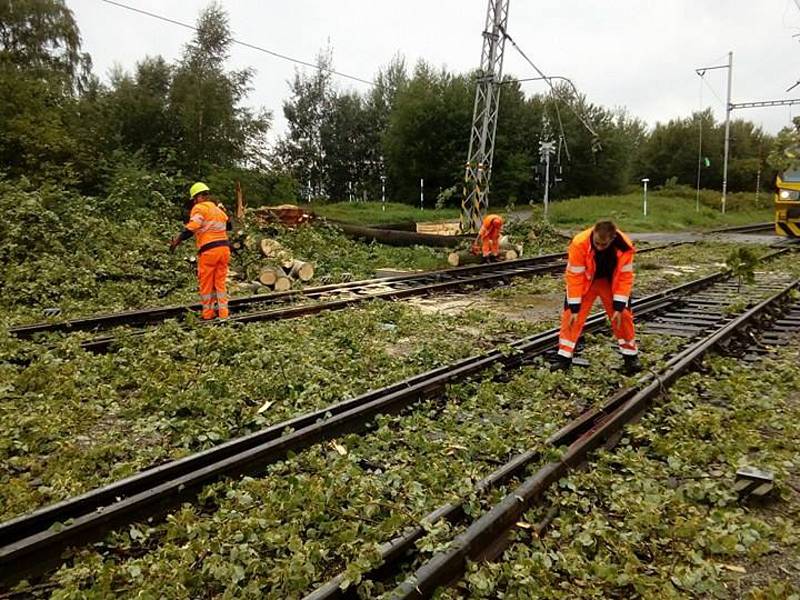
x: 286, y: 269
x: 282, y: 271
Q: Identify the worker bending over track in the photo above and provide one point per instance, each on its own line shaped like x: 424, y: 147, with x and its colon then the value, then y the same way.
x: 600, y: 263
x: 209, y: 224
x: 489, y: 236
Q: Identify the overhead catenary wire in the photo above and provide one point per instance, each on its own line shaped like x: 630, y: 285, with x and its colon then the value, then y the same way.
x: 713, y: 91
x: 241, y: 43
x: 562, y: 134
x: 583, y: 121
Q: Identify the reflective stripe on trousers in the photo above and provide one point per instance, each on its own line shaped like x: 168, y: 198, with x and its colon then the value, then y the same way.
x: 625, y: 332
x: 212, y: 273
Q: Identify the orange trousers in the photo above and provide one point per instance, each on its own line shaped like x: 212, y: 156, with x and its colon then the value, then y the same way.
x: 212, y: 272
x: 624, y: 333
x: 491, y: 244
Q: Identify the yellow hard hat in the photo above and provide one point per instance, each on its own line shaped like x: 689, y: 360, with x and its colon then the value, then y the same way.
x: 197, y: 188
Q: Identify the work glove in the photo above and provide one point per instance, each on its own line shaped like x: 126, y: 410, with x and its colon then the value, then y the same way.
x: 174, y: 243
x: 616, y: 319
x: 573, y: 318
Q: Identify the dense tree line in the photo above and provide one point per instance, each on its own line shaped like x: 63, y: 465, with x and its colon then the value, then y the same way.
x: 189, y: 119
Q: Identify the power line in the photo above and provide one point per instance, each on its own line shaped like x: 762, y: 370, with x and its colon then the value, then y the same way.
x: 713, y: 91
x: 583, y: 121
x: 240, y: 43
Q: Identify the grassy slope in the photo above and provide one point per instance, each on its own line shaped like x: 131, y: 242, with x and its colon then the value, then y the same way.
x: 665, y: 212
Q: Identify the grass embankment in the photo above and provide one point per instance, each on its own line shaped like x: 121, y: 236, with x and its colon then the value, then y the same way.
x: 668, y: 210
x: 665, y: 212
x: 373, y: 213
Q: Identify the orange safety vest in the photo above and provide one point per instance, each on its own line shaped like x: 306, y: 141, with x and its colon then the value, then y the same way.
x: 492, y: 224
x: 581, y: 268
x: 209, y: 223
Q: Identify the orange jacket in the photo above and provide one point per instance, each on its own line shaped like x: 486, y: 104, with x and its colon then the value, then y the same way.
x: 581, y: 269
x: 208, y: 222
x: 491, y: 227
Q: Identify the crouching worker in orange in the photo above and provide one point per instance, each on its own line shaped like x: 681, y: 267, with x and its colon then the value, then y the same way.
x: 600, y: 263
x: 489, y: 235
x: 209, y: 224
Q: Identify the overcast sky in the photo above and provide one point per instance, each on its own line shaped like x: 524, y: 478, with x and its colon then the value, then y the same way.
x: 637, y: 54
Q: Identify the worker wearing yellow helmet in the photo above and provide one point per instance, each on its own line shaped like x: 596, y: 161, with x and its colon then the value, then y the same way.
x: 209, y: 225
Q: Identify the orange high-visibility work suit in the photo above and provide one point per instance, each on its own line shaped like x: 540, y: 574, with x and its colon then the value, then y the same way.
x: 490, y: 235
x: 208, y: 222
x: 583, y: 288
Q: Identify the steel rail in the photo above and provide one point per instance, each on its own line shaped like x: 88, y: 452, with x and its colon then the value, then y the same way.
x: 447, y: 280
x: 484, y: 538
x: 401, y: 547
x: 767, y: 226
x: 466, y: 275
x: 398, y: 548
x: 31, y: 539
x: 103, y: 343
x: 31, y: 543
x: 149, y: 316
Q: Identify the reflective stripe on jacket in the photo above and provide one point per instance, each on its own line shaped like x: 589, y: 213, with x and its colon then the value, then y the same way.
x: 581, y: 268
x: 208, y: 223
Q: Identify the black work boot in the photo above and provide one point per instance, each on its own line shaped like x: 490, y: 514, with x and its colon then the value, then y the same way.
x: 562, y: 363
x: 631, y: 364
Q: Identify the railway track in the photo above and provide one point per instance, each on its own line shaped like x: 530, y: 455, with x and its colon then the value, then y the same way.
x: 30, y: 543
x: 486, y: 537
x: 767, y: 227
x: 297, y: 303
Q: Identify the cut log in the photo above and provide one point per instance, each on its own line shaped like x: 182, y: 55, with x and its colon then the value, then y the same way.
x: 287, y: 262
x: 464, y: 257
x: 272, y: 249
x: 506, y: 244
x: 400, y: 238
x: 259, y: 288
x: 270, y: 275
x: 282, y: 283
x: 511, y: 254
x: 301, y: 270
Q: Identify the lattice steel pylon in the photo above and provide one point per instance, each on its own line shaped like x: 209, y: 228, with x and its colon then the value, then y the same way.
x: 475, y: 200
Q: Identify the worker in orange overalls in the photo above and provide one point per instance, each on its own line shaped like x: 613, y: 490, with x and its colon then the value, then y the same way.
x: 600, y: 263
x: 209, y: 224
x: 489, y: 236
